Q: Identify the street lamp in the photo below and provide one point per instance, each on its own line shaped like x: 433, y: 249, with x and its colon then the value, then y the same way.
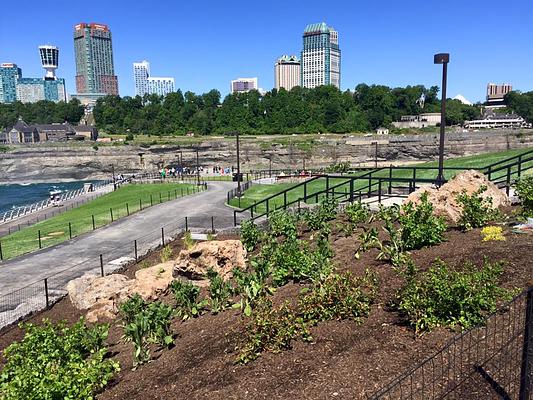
x: 375, y: 143
x: 444, y: 59
x: 238, y: 168
x: 197, y: 167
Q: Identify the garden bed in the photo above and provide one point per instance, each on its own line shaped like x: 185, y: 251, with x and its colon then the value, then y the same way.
x: 344, y: 359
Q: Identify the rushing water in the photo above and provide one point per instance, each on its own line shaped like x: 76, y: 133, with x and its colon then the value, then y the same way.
x: 19, y: 195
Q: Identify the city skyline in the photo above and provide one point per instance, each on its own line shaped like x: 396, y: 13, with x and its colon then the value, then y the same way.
x: 395, y: 49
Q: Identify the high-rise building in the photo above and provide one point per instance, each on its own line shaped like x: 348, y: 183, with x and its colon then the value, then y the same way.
x: 287, y: 72
x: 49, y: 60
x: 146, y: 84
x: 9, y: 75
x: 95, y: 72
x: 141, y: 72
x: 243, y: 85
x: 321, y: 56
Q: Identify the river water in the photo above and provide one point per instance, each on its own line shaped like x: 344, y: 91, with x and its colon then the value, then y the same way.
x: 15, y: 195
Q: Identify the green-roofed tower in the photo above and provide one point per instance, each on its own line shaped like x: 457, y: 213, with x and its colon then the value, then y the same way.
x: 321, y: 56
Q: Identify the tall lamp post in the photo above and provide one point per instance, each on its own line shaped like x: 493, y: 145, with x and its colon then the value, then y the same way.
x: 238, y: 168
x: 197, y: 167
x: 444, y: 59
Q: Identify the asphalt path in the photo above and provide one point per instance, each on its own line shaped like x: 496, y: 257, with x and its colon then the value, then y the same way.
x: 116, y: 240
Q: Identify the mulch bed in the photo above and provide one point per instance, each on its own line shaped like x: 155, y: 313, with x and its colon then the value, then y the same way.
x: 345, y: 360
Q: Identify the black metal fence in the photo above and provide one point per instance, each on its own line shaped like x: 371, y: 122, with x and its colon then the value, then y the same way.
x: 491, y: 362
x: 44, y: 292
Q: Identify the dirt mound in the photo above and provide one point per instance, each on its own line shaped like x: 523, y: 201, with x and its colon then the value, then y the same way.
x: 444, y: 199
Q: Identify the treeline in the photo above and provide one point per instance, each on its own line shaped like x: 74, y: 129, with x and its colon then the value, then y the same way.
x: 521, y: 103
x: 323, y: 109
x: 41, y: 112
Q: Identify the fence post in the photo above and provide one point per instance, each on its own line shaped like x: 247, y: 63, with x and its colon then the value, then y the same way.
x: 160, y: 200
x: 135, y: 249
x: 186, y: 224
x: 46, y: 292
x: 101, y: 265
x: 1, y: 255
x: 151, y: 200
x: 305, y: 191
x: 39, y: 234
x: 111, y: 212
x: 508, y: 183
x: 212, y: 224
x: 351, y: 190
x: 489, y: 172
x: 70, y: 230
x: 234, y: 217
x: 527, y: 349
x: 162, y: 236
x: 181, y: 192
x: 128, y: 209
x: 94, y: 226
x: 379, y: 190
x: 284, y: 200
x: 519, y: 166
x: 140, y: 204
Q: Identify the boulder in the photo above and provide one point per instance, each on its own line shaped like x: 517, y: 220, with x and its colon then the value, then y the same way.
x: 86, y: 291
x: 150, y: 282
x: 222, y: 256
x: 444, y: 199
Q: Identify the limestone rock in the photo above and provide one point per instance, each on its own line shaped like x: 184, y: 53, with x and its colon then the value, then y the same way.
x: 86, y: 291
x: 444, y: 199
x: 150, y: 282
x: 222, y: 256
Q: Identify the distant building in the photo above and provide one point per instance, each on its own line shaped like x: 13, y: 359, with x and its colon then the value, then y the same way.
x: 243, y: 85
x: 382, y: 131
x: 287, y: 73
x: 321, y: 57
x: 496, y: 94
x: 20, y: 133
x: 93, y: 48
x: 146, y: 84
x: 31, y: 90
x: 9, y: 74
x: 418, y: 121
x: 493, y: 120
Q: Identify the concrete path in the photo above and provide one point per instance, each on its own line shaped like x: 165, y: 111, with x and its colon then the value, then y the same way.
x: 116, y: 241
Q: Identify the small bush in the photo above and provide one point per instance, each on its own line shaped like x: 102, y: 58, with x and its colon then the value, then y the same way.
x: 250, y: 235
x: 219, y: 292
x: 368, y: 239
x: 524, y: 190
x: 357, y: 212
x: 419, y: 226
x: 442, y: 296
x: 57, y: 362
x: 492, y: 233
x: 282, y: 223
x: 389, y: 214
x: 165, y: 254
x: 339, y: 296
x: 325, y: 211
x: 477, y: 210
x: 394, y: 251
x: 188, y: 242
x: 186, y: 296
x: 251, y: 286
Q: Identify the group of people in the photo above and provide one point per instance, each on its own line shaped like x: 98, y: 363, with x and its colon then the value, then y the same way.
x: 173, y: 172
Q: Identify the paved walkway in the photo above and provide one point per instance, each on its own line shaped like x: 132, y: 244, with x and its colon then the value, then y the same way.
x: 115, y: 241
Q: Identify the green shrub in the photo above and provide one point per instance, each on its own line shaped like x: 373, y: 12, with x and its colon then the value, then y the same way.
x: 357, y: 212
x: 419, y: 226
x: 368, y: 239
x: 165, y: 254
x: 250, y: 235
x: 339, y: 168
x: 477, y: 211
x: 271, y: 330
x: 339, y: 296
x: 145, y: 323
x: 251, y: 286
x: 57, y: 362
x: 524, y: 190
x: 282, y: 223
x: 188, y: 242
x: 186, y: 296
x: 442, y: 296
x: 219, y: 292
x: 394, y: 250
x: 390, y: 213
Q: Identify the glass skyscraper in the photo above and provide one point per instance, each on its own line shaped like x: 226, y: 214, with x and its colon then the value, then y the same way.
x: 321, y: 56
x: 95, y: 72
x: 9, y: 75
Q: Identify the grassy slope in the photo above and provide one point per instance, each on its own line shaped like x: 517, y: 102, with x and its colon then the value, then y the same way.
x: 259, y: 192
x: 56, y: 230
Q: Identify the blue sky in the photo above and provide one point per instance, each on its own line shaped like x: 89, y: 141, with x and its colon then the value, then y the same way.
x: 205, y: 44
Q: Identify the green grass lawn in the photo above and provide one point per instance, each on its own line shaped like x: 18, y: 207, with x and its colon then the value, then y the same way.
x: 126, y: 200
x: 260, y: 192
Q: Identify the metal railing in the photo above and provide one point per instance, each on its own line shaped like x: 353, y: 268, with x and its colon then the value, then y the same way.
x: 495, y: 360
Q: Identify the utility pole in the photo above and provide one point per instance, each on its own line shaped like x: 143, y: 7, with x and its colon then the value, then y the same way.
x: 444, y: 59
x: 270, y: 166
x: 197, y: 167
x: 238, y: 167
x: 114, y: 181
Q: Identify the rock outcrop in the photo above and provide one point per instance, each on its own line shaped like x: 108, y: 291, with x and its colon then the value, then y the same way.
x: 444, y: 199
x: 150, y: 282
x: 222, y: 256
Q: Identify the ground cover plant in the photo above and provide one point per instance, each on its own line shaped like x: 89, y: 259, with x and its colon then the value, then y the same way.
x: 187, y: 296
x: 55, y: 361
x: 125, y: 200
x: 477, y: 210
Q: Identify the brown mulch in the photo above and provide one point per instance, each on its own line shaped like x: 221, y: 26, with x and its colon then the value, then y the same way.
x: 345, y: 360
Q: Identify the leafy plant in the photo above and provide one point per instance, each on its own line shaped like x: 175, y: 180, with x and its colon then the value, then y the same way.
x: 442, y: 296
x: 524, y: 190
x: 186, y: 295
x: 282, y: 223
x: 477, y: 210
x: 57, y: 362
x: 271, y: 329
x: 219, y: 291
x: 251, y: 286
x: 250, y: 235
x: 187, y: 240
x: 165, y: 254
x: 420, y: 227
x: 368, y: 239
x: 492, y: 233
x: 357, y: 212
x: 389, y: 214
x: 339, y: 296
x: 394, y: 251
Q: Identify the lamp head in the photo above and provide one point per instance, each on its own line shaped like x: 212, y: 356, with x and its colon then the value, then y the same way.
x: 441, y: 58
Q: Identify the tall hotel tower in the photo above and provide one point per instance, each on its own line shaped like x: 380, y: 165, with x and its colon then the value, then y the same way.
x: 321, y: 56
x: 287, y: 72
x: 95, y: 72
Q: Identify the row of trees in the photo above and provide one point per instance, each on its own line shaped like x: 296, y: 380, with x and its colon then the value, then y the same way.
x: 41, y: 112
x: 300, y: 110
x: 521, y: 103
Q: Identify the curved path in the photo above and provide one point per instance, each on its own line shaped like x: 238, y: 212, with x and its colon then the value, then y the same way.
x: 115, y: 241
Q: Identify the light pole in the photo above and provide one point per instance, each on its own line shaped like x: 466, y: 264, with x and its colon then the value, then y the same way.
x: 444, y: 59
x: 197, y: 167
x: 375, y: 154
x: 238, y: 168
x: 114, y: 181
